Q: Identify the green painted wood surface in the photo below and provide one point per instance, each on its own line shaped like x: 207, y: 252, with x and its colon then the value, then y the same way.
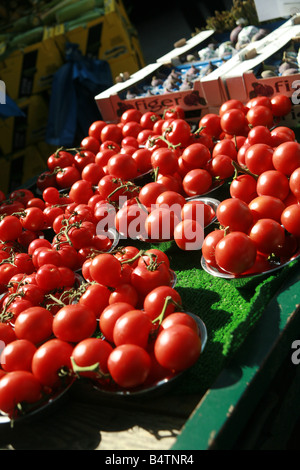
x: 222, y: 414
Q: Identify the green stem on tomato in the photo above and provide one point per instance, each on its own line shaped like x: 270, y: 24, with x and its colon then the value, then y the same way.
x: 160, y: 317
x: 92, y: 368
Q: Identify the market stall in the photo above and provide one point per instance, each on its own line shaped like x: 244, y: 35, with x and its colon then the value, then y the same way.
x: 149, y: 273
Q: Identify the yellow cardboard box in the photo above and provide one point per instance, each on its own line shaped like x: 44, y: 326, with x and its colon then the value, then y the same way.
x: 110, y: 37
x: 30, y: 70
x: 18, y: 132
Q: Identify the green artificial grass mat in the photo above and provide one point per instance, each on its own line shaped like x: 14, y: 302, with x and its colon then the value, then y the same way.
x: 228, y: 311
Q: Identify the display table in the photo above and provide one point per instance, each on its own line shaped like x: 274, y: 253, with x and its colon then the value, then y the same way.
x: 231, y: 413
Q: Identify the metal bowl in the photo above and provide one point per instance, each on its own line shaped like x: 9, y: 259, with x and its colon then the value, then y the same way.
x: 248, y: 280
x: 114, y: 391
x: 37, y: 410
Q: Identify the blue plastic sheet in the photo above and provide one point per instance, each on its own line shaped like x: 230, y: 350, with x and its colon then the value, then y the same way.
x: 72, y: 107
x: 8, y: 107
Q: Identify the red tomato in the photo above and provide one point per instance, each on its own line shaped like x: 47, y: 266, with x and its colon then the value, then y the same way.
x: 281, y: 105
x: 199, y: 211
x: 178, y: 132
x: 17, y: 355
x: 266, y: 207
x: 52, y: 361
x: 122, y: 166
x: 259, y: 135
x: 260, y: 116
x: 145, y: 278
x: 290, y: 219
x: 91, y: 351
x: 129, y: 365
x: 154, y: 302
x: 131, y: 128
x: 286, y: 157
x: 60, y: 159
x: 67, y: 176
x: 268, y: 235
x: 74, y: 322
x: 234, y: 214
x: 211, y: 124
x: 131, y: 114
x: 195, y: 155
x: 273, y: 183
x: 243, y: 187
x: 48, y: 277
x: 235, y: 253
x: 111, y: 132
x: 33, y: 219
x: 90, y: 143
x: 209, y: 245
x: 225, y: 147
x: 125, y: 292
x: 83, y: 158
x: 142, y: 157
x: 34, y: 324
x: 181, y: 318
x: 259, y: 158
x: 133, y: 327
x: 96, y: 128
x: 197, y: 182
x: 10, y: 228
x: 96, y: 298
x: 106, y: 269
x: 294, y: 183
x: 221, y: 166
x: 230, y: 104
x: 259, y: 101
x: 233, y: 121
x: 177, y: 347
x: 18, y: 387
x: 149, y: 193
x: 109, y: 317
x: 165, y: 160
x: 148, y: 119
x: 160, y: 223
x: 189, y: 235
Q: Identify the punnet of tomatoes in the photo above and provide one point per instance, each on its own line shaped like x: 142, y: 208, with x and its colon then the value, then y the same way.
x: 80, y: 300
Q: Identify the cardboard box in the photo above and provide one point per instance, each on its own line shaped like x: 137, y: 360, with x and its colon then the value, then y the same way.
x: 18, y: 132
x: 241, y: 81
x: 20, y: 167
x: 190, y: 45
x: 111, y: 37
x: 114, y: 101
x: 225, y: 82
x: 30, y: 70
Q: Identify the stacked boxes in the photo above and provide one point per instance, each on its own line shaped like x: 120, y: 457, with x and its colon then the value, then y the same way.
x: 233, y: 79
x: 23, y: 165
x: 28, y: 71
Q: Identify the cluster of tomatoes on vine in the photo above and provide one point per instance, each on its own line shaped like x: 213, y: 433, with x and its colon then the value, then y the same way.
x: 57, y: 325
x: 111, y: 327
x: 259, y: 224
